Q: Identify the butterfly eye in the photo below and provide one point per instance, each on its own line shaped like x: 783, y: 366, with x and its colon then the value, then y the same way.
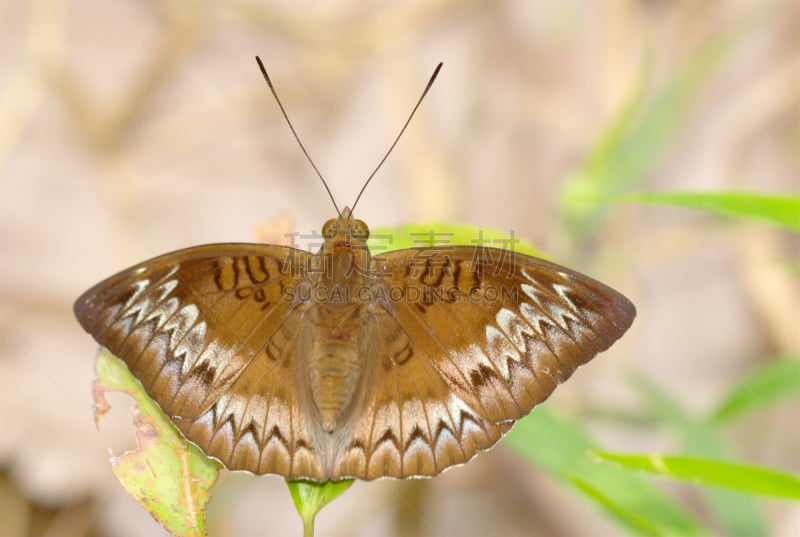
x: 329, y: 229
x: 360, y: 230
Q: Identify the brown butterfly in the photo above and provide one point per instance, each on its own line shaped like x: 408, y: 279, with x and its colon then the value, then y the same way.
x: 343, y: 364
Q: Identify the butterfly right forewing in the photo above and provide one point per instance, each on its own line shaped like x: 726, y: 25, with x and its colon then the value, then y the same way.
x: 465, y: 341
x: 504, y: 329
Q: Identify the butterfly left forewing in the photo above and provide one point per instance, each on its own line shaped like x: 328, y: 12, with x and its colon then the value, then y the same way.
x: 211, y: 336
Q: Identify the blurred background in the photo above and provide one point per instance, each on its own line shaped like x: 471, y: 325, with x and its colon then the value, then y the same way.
x: 129, y: 128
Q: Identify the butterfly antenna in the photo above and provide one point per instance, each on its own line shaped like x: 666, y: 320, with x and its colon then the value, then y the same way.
x: 397, y: 139
x: 294, y: 132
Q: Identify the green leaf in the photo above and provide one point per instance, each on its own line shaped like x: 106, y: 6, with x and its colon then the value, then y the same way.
x: 738, y: 515
x: 168, y: 476
x: 783, y: 211
x: 309, y: 497
x: 636, y: 522
x: 563, y: 449
x: 775, y: 380
x: 639, y: 134
x: 736, y: 476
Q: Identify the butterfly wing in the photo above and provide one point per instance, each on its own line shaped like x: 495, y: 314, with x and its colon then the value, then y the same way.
x: 461, y: 342
x: 212, y: 338
x: 469, y: 340
x: 408, y: 422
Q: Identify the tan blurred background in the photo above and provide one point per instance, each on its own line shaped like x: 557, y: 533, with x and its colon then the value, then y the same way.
x: 131, y: 128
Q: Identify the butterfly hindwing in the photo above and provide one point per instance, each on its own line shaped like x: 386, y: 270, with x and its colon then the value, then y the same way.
x: 408, y: 422
x: 261, y: 423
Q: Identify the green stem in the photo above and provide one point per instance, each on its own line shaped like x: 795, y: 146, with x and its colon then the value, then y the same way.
x: 308, y: 527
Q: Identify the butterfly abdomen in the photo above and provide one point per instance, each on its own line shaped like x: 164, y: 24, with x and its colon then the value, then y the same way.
x: 334, y: 374
x: 334, y: 364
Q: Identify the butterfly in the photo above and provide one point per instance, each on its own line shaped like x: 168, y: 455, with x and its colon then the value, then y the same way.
x: 342, y: 364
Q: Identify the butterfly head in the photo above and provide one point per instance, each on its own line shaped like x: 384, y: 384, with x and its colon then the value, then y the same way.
x: 345, y: 225
x: 345, y: 249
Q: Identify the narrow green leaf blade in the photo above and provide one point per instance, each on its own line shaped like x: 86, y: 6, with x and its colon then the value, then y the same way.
x: 783, y: 211
x: 738, y: 515
x: 736, y: 476
x: 777, y: 379
x: 635, y: 140
x: 636, y: 522
x: 567, y: 454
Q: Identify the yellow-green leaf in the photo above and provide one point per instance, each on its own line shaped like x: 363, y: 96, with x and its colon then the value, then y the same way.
x: 736, y: 476
x: 168, y: 476
x: 782, y: 211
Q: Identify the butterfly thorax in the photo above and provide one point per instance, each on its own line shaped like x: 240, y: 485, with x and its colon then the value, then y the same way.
x: 338, y: 315
x: 343, y: 266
